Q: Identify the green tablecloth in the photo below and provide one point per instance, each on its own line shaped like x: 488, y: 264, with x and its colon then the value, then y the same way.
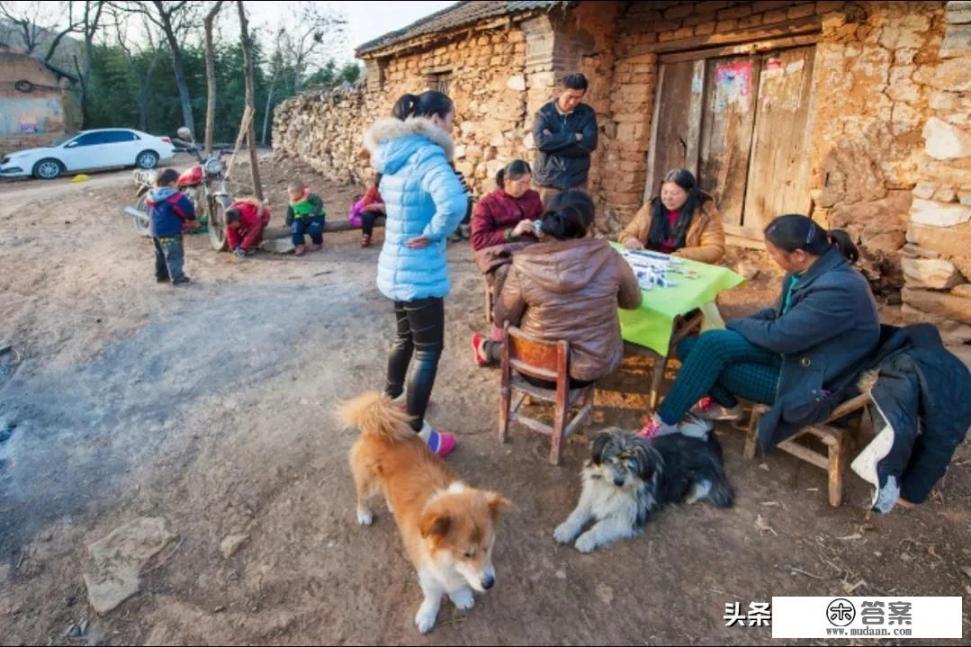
x: 651, y: 325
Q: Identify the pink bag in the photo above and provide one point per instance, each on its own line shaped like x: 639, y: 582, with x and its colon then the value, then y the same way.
x: 354, y: 215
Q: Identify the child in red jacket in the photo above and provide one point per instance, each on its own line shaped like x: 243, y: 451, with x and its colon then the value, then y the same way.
x: 245, y: 221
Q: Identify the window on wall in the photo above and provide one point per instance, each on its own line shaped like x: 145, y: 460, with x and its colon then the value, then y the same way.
x: 439, y: 80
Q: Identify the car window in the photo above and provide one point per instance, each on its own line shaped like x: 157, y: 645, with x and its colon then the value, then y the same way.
x: 116, y: 136
x: 89, y: 139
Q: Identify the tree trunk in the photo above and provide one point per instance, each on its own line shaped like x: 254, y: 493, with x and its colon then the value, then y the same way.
x: 165, y: 22
x: 143, y: 92
x: 210, y: 77
x: 251, y: 134
x: 269, y: 104
x: 91, y: 24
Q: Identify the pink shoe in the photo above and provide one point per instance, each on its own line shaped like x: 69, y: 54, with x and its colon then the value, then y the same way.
x: 708, y: 409
x: 654, y: 426
x: 478, y: 347
x: 441, y: 443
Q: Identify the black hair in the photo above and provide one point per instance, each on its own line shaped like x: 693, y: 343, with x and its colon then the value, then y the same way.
x: 166, y: 177
x: 513, y: 171
x: 425, y: 104
x: 575, y: 81
x: 660, y: 232
x: 377, y: 179
x: 568, y: 215
x: 794, y: 231
x: 232, y: 215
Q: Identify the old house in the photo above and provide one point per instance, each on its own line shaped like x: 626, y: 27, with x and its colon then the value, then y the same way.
x: 36, y: 104
x: 858, y: 113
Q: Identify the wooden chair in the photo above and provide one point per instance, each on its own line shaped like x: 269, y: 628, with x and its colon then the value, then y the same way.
x: 839, y: 442
x: 684, y: 325
x: 490, y: 301
x: 549, y: 361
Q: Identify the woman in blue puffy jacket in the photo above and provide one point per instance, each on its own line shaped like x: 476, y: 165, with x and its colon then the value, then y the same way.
x: 424, y: 202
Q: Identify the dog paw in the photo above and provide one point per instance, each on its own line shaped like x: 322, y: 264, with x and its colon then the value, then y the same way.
x: 586, y: 544
x: 463, y: 599
x: 425, y: 619
x: 564, y: 533
x: 364, y: 517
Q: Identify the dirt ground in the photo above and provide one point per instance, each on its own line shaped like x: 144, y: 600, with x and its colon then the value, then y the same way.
x: 210, y: 406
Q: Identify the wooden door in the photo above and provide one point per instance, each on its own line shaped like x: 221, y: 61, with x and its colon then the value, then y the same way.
x: 677, y: 112
x: 741, y: 123
x: 778, y: 178
x: 726, y: 132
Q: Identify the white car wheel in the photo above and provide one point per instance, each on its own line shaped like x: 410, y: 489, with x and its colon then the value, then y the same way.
x: 147, y: 160
x: 48, y: 169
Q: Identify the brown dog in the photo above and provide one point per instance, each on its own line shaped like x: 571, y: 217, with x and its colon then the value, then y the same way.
x: 448, y: 527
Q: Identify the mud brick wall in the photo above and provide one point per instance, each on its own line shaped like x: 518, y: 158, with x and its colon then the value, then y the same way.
x: 890, y: 152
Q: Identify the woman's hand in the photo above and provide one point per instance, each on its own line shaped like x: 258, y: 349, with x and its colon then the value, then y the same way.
x: 421, y: 242
x: 633, y: 243
x: 522, y: 228
x: 377, y: 206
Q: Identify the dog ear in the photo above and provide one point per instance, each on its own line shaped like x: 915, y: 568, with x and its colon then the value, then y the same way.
x: 642, y: 456
x: 497, y: 503
x: 598, y: 446
x: 433, y: 523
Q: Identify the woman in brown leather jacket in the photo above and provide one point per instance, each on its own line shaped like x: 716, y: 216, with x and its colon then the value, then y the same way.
x: 568, y: 286
x: 681, y: 220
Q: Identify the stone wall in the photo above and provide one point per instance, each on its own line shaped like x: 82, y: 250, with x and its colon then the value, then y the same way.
x: 486, y: 76
x: 891, y: 122
x: 937, y: 263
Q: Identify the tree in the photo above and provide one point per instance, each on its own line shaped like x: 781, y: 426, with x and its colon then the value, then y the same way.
x: 318, y: 30
x: 277, y: 66
x: 29, y: 18
x: 144, y: 56
x: 210, y: 76
x: 172, y: 18
x: 250, y: 100
x: 89, y: 22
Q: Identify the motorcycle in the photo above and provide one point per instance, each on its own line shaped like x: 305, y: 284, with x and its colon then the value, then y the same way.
x: 204, y: 184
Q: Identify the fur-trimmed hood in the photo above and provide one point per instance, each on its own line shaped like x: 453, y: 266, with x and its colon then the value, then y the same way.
x: 392, y: 142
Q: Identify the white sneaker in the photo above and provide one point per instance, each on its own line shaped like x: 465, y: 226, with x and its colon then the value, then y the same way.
x: 696, y: 427
x: 708, y: 409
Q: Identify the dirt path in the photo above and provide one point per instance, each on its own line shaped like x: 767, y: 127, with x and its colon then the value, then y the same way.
x: 210, y: 407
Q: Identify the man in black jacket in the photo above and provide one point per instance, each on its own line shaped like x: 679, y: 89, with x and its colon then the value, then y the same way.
x: 565, y: 132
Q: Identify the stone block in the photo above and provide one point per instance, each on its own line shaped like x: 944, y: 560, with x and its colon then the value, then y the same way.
x: 945, y: 141
x: 949, y: 241
x: 936, y: 214
x: 940, y: 304
x: 935, y: 274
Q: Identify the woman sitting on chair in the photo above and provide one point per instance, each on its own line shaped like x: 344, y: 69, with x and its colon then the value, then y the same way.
x: 681, y: 220
x: 507, y: 214
x: 568, y: 287
x: 794, y: 356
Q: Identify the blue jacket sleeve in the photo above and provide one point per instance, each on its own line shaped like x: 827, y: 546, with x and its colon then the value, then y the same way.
x: 451, y: 201
x: 826, y: 312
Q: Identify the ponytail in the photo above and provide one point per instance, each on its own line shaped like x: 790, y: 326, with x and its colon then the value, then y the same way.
x: 425, y: 104
x: 796, y: 231
x: 841, y: 240
x: 514, y: 170
x: 569, y: 215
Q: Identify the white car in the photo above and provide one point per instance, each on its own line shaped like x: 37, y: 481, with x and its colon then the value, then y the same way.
x: 89, y: 150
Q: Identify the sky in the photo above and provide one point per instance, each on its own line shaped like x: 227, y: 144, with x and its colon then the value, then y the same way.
x: 366, y: 20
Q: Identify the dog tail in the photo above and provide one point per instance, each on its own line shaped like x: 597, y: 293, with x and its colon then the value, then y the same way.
x: 374, y: 414
x: 721, y: 495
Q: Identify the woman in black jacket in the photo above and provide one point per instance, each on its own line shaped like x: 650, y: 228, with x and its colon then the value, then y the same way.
x: 792, y: 356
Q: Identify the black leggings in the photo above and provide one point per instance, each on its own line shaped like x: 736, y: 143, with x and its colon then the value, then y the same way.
x: 367, y: 221
x: 420, y: 333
